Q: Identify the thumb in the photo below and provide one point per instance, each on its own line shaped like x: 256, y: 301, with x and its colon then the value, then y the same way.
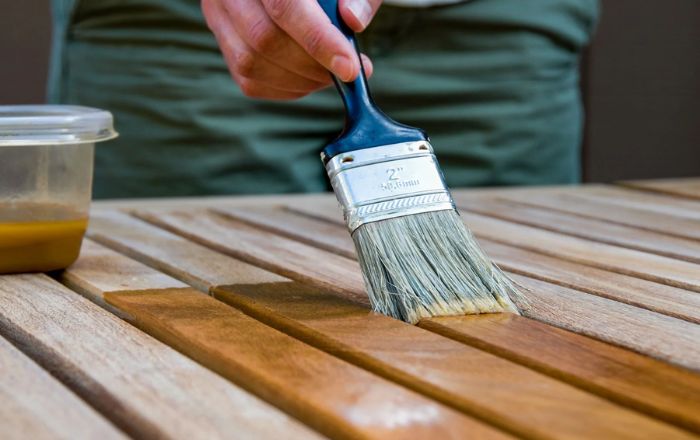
x: 358, y: 13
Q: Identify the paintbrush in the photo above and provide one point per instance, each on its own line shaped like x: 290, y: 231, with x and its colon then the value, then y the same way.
x: 418, y: 259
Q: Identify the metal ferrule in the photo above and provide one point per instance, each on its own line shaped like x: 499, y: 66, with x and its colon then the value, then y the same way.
x: 389, y: 181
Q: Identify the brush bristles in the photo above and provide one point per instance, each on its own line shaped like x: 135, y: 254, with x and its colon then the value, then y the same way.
x: 429, y: 264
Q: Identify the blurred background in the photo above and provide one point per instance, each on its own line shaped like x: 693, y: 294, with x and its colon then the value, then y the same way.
x: 640, y: 82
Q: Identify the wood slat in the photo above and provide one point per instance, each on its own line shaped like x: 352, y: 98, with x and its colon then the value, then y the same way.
x: 583, y: 206
x: 144, y: 387
x: 656, y: 268
x: 324, y: 235
x: 672, y: 301
x: 335, y: 397
x: 587, y: 228
x: 288, y: 258
x: 654, y: 387
x: 645, y: 201
x: 672, y: 339
x: 203, y: 202
x: 668, y: 300
x: 665, y: 394
x: 533, y: 403
x: 684, y: 187
x: 196, y: 265
x: 638, y: 329
x: 34, y: 405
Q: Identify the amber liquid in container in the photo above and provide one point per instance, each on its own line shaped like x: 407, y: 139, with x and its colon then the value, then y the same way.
x: 36, y: 237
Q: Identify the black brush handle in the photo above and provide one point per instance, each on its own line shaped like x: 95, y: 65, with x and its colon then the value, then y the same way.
x: 366, y: 125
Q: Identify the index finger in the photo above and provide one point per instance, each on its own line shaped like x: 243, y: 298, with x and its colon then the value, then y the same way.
x: 308, y: 25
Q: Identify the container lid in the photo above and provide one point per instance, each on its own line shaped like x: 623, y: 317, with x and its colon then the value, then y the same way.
x: 53, y: 124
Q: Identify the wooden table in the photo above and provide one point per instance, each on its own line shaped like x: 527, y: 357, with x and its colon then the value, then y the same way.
x: 246, y: 318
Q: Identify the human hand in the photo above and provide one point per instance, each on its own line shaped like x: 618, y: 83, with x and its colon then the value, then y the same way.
x: 283, y: 49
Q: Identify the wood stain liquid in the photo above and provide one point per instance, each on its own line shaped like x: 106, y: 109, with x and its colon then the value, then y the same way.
x: 37, y: 237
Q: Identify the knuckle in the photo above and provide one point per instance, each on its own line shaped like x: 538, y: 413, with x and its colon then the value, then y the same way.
x: 313, y: 40
x: 263, y: 36
x: 278, y: 9
x: 244, y: 63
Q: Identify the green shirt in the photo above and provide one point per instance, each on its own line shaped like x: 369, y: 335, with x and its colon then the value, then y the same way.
x: 493, y: 82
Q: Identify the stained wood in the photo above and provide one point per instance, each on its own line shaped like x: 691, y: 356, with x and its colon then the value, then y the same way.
x: 661, y: 298
x: 672, y: 339
x: 144, y: 387
x: 503, y: 393
x: 35, y: 405
x: 583, y: 206
x: 292, y: 375
x: 323, y: 320
x: 640, y: 330
x: 590, y: 229
x: 684, y: 187
x: 285, y: 257
x: 654, y: 387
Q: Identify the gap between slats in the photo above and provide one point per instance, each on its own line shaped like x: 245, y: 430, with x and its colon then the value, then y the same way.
x: 175, y: 271
x: 688, y: 187
x: 310, y: 265
x: 668, y: 300
x: 35, y: 405
x: 568, y: 223
x: 337, y: 398
x: 144, y: 387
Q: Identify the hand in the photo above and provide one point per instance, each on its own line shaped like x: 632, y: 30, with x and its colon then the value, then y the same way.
x: 283, y: 49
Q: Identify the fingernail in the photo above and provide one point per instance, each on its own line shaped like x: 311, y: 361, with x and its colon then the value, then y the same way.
x: 361, y: 10
x: 342, y: 67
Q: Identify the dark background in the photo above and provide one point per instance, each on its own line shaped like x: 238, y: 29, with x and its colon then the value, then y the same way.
x: 640, y: 81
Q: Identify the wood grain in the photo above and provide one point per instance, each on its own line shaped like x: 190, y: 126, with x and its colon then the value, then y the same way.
x: 310, y: 314
x: 144, y: 387
x: 668, y: 300
x: 661, y: 298
x: 283, y: 256
x: 588, y: 207
x: 130, y: 275
x: 638, y: 329
x: 301, y: 380
x: 630, y: 198
x: 190, y: 262
x: 170, y: 203
x: 34, y: 405
x: 601, y: 317
x: 683, y: 187
x: 324, y: 235
x: 335, y: 397
x: 651, y: 267
x: 587, y: 228
x: 654, y: 387
x: 501, y: 392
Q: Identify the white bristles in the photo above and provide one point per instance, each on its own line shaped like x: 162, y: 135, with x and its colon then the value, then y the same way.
x: 429, y: 264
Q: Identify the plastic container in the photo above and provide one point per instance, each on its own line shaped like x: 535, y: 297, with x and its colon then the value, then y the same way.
x: 46, y: 160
